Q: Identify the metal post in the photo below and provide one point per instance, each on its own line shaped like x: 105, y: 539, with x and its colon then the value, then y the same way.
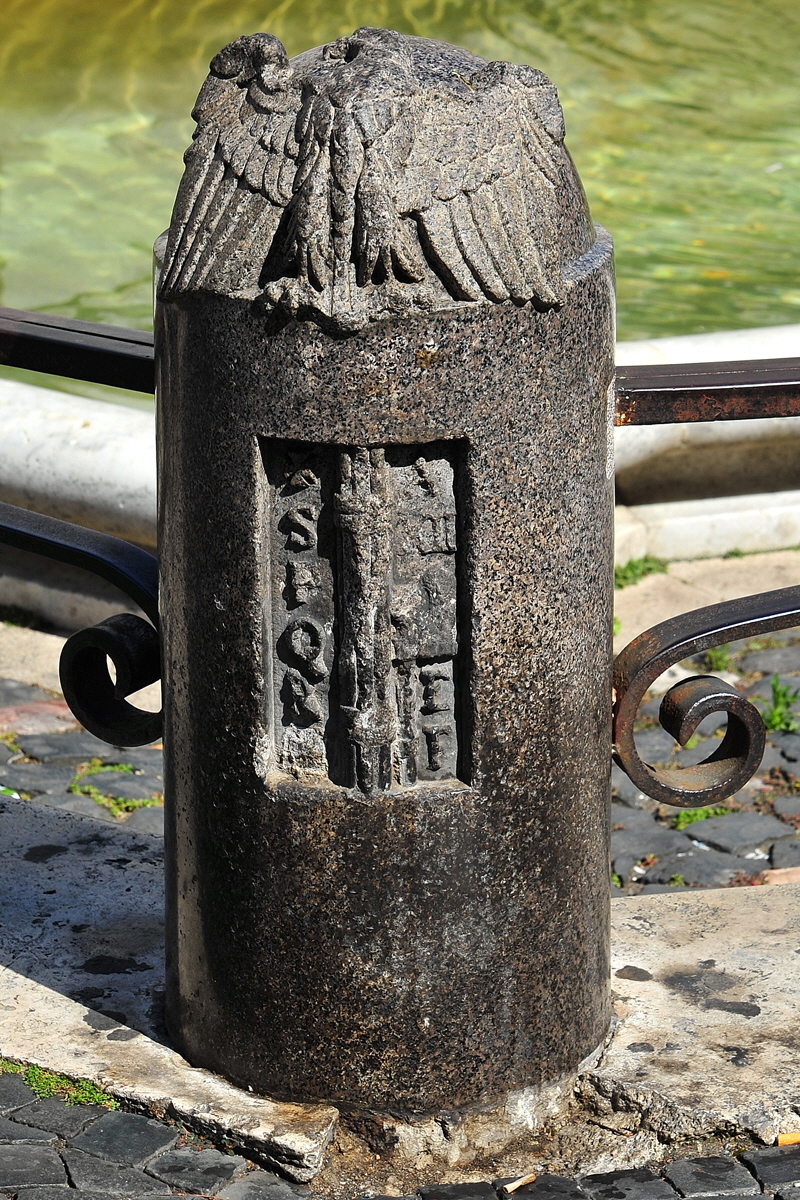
x: 385, y: 391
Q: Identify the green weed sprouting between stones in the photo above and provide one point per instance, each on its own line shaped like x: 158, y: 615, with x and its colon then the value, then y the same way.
x: 115, y: 806
x: 47, y: 1083
x: 690, y: 815
x: 677, y: 881
x: 617, y: 880
x: 718, y: 658
x: 636, y: 569
x: 778, y: 715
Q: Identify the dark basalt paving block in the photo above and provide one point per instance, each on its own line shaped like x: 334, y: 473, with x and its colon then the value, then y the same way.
x: 786, y: 854
x: 14, y: 1093
x: 55, y: 1116
x: 125, y: 786
x: 94, y: 1174
x: 143, y: 758
x: 712, y: 1176
x: 655, y: 745
x: 11, y: 1132
x: 28, y: 1166
x: 36, y: 778
x: 75, y: 802
x: 787, y: 806
x: 59, y: 1193
x: 547, y: 1187
x: 261, y: 1185
x: 739, y: 833
x: 633, y: 1184
x: 626, y: 792
x: 197, y: 1170
x: 13, y: 693
x: 126, y: 1138
x: 458, y: 1191
x: 769, y: 662
x: 702, y: 868
x: 787, y: 743
x: 67, y: 749
x: 775, y: 1165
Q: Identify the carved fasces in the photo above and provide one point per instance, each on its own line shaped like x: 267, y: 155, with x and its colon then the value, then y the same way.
x: 362, y: 632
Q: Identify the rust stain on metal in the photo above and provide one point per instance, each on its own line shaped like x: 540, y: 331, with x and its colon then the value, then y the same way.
x: 731, y: 391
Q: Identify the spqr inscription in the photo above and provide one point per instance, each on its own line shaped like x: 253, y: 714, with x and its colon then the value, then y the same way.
x: 362, y: 636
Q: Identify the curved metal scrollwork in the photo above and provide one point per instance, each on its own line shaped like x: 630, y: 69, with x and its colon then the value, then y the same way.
x: 130, y: 643
x: 685, y: 705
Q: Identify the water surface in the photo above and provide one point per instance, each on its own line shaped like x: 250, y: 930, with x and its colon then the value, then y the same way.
x: 683, y: 117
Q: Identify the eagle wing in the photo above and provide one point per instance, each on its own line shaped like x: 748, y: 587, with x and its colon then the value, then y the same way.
x: 240, y: 170
x: 481, y: 183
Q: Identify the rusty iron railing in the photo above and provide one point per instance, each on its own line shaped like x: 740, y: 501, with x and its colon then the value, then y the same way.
x: 645, y: 395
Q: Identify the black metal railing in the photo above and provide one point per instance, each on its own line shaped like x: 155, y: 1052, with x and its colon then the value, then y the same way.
x: 648, y: 395
x: 645, y: 395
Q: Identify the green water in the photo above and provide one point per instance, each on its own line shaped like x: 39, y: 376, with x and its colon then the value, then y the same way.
x: 683, y: 117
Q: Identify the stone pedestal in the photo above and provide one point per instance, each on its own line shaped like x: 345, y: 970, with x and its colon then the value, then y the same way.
x: 386, y: 606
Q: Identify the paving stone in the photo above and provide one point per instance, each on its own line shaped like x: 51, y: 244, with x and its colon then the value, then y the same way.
x: 655, y: 745
x: 29, y: 1166
x: 13, y: 693
x: 711, y: 1176
x: 5, y: 752
x: 11, y: 1131
x: 781, y: 660
x: 639, y: 836
x: 785, y: 854
x: 144, y: 758
x: 90, y: 1173
x: 197, y: 1170
x: 261, y: 1185
x: 458, y: 1191
x: 55, y: 1116
x: 739, y: 833
x: 775, y: 1165
x: 57, y: 1193
x: 635, y: 1184
x: 125, y: 786
x: 75, y: 802
x: 657, y: 889
x: 550, y: 1187
x: 787, y: 806
x: 626, y: 792
x: 147, y: 820
x: 696, y: 754
x: 701, y: 868
x: 36, y: 778
x: 14, y: 1093
x: 66, y: 749
x: 787, y: 743
x: 126, y: 1138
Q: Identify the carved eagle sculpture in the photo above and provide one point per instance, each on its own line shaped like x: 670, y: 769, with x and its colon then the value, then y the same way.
x: 369, y: 177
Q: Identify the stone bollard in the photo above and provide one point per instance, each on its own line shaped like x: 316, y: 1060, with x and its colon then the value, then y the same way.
x: 385, y: 341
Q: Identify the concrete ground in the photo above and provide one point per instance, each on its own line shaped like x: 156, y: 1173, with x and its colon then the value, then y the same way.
x: 694, y: 584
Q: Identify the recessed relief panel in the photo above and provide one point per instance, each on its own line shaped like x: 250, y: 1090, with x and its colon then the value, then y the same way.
x: 362, y: 626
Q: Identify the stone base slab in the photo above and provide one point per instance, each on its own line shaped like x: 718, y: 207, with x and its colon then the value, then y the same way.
x: 706, y: 987
x: 705, y: 1043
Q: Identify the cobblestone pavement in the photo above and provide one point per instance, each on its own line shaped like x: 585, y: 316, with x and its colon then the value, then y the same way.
x: 49, y: 1148
x: 653, y: 848
x: 656, y: 848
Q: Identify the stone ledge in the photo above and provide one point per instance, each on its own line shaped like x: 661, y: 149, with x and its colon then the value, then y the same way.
x: 85, y: 908
x: 706, y: 988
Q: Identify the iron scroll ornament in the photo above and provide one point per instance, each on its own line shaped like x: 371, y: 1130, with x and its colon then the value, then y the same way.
x: 686, y: 704
x: 132, y: 644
